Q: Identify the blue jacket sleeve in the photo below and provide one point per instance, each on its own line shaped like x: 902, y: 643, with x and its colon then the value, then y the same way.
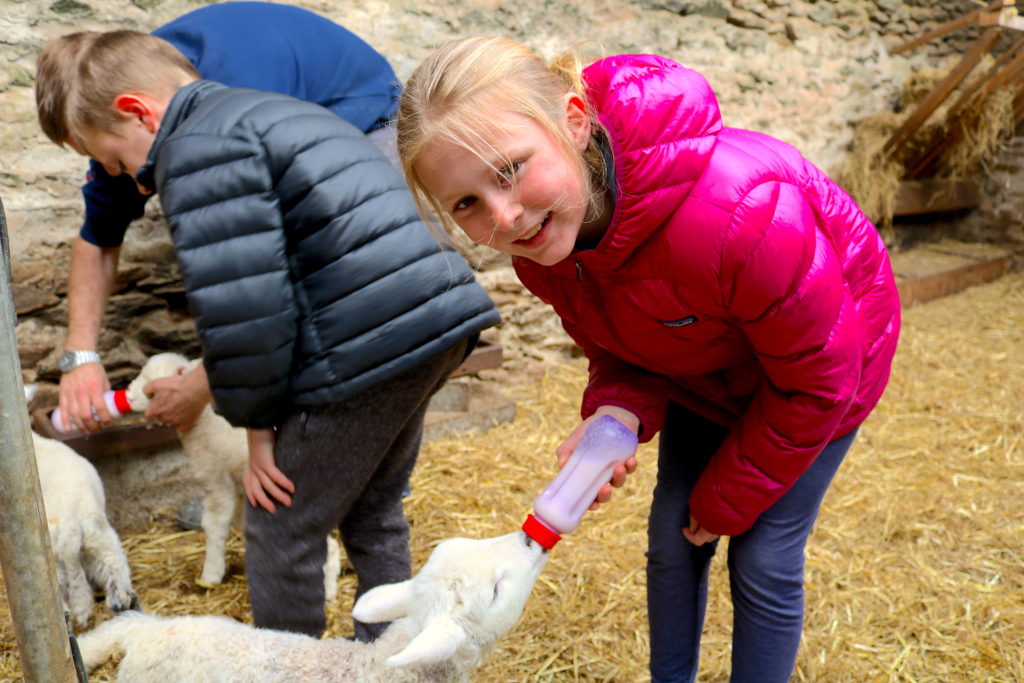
x: 288, y: 50
x: 111, y: 204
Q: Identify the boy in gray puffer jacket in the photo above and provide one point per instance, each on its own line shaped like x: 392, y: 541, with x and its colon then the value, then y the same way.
x: 327, y: 311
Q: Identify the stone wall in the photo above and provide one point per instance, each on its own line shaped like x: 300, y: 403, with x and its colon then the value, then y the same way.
x: 804, y: 71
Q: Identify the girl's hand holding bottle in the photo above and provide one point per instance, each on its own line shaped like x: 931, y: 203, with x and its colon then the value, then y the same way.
x: 619, y: 474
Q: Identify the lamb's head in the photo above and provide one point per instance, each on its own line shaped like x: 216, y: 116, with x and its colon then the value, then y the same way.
x: 468, y: 595
x: 160, y: 365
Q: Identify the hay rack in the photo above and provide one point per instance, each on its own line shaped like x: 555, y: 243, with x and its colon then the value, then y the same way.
x: 923, y: 190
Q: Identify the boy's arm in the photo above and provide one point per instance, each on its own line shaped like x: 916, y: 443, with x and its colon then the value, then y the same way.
x: 90, y: 280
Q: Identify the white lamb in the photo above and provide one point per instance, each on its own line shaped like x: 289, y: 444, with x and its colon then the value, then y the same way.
x: 445, y: 619
x: 85, y: 547
x: 217, y: 455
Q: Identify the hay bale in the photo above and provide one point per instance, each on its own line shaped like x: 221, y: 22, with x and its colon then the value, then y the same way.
x: 984, y: 130
x: 870, y: 176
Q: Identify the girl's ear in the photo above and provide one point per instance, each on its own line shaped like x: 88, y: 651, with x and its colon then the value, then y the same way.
x: 140, y: 107
x: 577, y: 120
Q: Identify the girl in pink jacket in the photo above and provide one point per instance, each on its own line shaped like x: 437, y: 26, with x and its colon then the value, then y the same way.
x: 725, y: 291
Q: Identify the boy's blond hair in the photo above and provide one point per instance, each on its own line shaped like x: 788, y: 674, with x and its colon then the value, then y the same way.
x: 450, y: 97
x: 79, y: 75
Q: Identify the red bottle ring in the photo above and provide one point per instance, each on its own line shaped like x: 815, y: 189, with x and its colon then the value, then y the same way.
x: 121, y: 401
x: 538, y: 531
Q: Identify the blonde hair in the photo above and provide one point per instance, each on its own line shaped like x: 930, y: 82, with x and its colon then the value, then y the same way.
x: 79, y: 75
x: 449, y: 97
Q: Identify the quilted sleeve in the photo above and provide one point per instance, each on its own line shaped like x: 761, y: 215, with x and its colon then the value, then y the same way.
x: 229, y: 236
x: 614, y: 382
x: 782, y: 282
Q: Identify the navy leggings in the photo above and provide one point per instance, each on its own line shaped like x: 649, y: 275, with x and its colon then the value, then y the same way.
x: 766, y: 562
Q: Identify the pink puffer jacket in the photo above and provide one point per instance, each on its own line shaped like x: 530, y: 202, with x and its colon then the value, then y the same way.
x: 735, y: 279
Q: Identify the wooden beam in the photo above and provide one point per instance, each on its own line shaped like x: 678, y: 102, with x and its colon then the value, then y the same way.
x: 135, y: 435
x: 1004, y: 69
x: 1010, y: 72
x: 485, y: 355
x: 932, y: 101
x: 948, y: 27
x: 120, y: 438
x: 933, y: 196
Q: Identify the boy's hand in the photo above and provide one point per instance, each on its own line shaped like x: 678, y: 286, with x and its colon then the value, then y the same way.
x: 619, y: 474
x: 261, y: 476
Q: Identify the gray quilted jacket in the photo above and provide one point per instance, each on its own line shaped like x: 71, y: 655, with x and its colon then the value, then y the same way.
x: 308, y: 270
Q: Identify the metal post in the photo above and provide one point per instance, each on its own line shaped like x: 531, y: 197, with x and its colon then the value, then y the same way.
x: 25, y: 552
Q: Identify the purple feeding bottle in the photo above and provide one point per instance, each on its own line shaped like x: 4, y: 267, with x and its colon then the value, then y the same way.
x: 606, y: 444
x: 117, y: 405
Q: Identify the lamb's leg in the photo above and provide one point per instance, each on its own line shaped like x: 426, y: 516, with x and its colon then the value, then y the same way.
x: 79, y: 593
x: 75, y: 590
x: 107, y: 564
x: 332, y: 568
x: 62, y: 585
x: 218, y: 509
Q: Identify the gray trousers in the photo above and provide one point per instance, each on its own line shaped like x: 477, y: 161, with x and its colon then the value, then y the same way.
x: 350, y: 462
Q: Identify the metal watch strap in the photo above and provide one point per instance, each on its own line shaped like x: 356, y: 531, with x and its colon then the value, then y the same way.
x: 70, y: 360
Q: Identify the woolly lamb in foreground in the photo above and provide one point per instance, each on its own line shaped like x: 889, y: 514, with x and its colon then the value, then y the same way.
x: 87, y: 551
x: 445, y: 619
x: 217, y: 456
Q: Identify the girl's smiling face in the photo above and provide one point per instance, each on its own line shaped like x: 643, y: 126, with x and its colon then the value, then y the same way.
x: 522, y: 194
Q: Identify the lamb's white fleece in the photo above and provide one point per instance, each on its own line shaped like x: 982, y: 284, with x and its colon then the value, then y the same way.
x: 469, y: 594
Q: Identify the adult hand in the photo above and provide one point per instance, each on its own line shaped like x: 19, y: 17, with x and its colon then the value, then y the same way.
x: 263, y: 482
x: 82, y: 406
x: 698, y: 535
x: 178, y: 400
x: 619, y: 474
x: 91, y: 274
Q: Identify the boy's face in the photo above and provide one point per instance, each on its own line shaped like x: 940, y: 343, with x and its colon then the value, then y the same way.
x: 526, y: 198
x: 122, y: 151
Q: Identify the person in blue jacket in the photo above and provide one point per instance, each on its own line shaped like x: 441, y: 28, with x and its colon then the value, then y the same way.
x: 258, y: 45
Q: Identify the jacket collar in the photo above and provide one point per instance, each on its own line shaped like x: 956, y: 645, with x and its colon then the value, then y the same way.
x: 662, y: 122
x: 181, y: 106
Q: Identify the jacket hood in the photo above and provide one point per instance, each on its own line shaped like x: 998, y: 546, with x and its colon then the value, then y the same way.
x: 658, y: 161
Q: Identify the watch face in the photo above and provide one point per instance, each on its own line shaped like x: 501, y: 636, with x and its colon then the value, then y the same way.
x: 69, y: 360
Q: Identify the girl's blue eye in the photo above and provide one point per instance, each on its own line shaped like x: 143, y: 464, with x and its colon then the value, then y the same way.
x: 464, y: 203
x: 511, y: 170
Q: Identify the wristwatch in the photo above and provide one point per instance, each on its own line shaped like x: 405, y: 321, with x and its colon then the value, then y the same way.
x: 69, y: 360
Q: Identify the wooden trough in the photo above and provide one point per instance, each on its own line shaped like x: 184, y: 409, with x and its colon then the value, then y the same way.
x: 134, y: 434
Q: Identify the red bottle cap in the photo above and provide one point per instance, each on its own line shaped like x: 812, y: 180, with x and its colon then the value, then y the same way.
x: 121, y: 401
x: 538, y: 531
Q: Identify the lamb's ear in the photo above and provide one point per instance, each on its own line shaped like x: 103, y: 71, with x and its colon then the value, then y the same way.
x: 384, y: 603
x: 438, y: 641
